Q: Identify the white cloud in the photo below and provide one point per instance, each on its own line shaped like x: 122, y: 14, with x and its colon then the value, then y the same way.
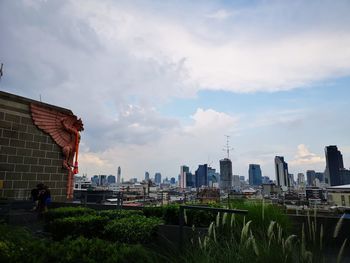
x: 186, y: 144
x: 305, y: 157
x: 113, y: 63
x: 220, y: 14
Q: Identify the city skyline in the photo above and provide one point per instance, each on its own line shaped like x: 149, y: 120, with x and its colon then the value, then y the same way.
x: 157, y: 88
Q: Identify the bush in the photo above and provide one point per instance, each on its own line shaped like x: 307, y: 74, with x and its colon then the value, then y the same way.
x: 62, y: 212
x: 18, y: 245
x: 97, y: 250
x: 170, y: 215
x: 134, y: 229
x: 87, y: 226
x: 114, y: 214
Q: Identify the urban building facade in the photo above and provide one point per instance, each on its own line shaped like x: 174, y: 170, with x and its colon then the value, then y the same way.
x: 157, y: 178
x: 225, y: 174
x: 255, y: 177
x: 119, y: 174
x: 182, y: 177
x: 282, y: 176
x: 201, y: 176
x: 334, y: 163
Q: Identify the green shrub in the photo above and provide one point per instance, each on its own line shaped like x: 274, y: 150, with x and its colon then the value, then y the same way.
x: 154, y: 211
x: 62, y: 212
x: 114, y: 214
x: 97, y: 250
x: 87, y: 226
x: 169, y: 213
x: 133, y: 229
x: 17, y: 245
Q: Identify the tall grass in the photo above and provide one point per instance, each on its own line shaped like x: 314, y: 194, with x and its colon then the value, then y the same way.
x: 233, y: 238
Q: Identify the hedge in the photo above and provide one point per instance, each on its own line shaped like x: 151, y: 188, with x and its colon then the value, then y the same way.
x: 18, y: 245
x: 62, y: 212
x: 87, y: 226
x: 133, y: 229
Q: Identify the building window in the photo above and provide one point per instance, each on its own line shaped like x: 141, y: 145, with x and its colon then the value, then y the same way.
x: 349, y: 199
x: 343, y: 200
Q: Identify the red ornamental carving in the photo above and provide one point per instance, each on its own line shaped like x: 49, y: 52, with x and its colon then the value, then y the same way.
x: 64, y: 129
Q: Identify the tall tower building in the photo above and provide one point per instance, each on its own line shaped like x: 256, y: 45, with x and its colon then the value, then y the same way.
x: 334, y: 163
x: 301, y: 180
x: 201, y: 175
x: 157, y: 178
x: 182, y: 177
x: 255, y: 177
x: 310, y: 177
x: 281, y: 169
x: 146, y: 176
x: 225, y: 174
x: 119, y: 174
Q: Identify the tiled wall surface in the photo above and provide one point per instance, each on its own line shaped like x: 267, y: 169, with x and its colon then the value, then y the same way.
x: 28, y: 156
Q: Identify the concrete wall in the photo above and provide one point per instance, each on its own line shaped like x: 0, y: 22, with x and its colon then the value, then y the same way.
x: 28, y: 156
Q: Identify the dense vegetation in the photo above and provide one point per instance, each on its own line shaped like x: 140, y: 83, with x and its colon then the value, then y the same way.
x: 86, y: 235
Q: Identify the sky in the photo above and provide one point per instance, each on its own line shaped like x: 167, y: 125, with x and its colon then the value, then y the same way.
x: 158, y: 84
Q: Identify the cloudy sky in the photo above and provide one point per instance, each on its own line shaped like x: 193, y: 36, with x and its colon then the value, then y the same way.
x: 159, y: 83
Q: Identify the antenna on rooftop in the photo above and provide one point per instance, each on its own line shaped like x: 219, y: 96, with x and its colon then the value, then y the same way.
x: 227, y: 147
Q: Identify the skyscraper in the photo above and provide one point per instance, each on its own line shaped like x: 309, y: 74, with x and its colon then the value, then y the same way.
x: 334, y: 163
x: 157, y: 178
x: 255, y: 177
x: 201, y: 175
x: 146, y: 176
x: 225, y: 174
x: 301, y: 179
x: 111, y: 179
x: 310, y: 177
x: 183, y: 170
x: 119, y: 174
x: 212, y: 176
x: 190, y: 181
x: 281, y: 169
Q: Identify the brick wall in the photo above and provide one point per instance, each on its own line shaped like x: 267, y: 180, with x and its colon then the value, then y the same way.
x: 28, y: 156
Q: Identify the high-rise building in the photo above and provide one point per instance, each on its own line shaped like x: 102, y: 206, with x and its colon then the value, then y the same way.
x: 95, y: 180
x: 201, y: 175
x: 319, y: 176
x: 119, y: 174
x: 190, y: 180
x: 102, y: 180
x: 310, y: 177
x: 157, y: 178
x: 334, y: 163
x: 111, y: 179
x: 212, y: 176
x: 344, y: 176
x: 301, y: 179
x: 255, y: 177
x: 146, y: 176
x: 236, y: 183
x: 225, y: 174
x: 172, y: 180
x: 242, y: 178
x: 291, y: 180
x: 281, y: 169
x: 182, y: 177
x: 266, y: 180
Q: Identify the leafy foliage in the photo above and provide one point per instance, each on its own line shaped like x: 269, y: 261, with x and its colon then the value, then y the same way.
x: 87, y: 226
x: 133, y: 229
x: 18, y: 245
x: 115, y: 214
x: 62, y: 212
